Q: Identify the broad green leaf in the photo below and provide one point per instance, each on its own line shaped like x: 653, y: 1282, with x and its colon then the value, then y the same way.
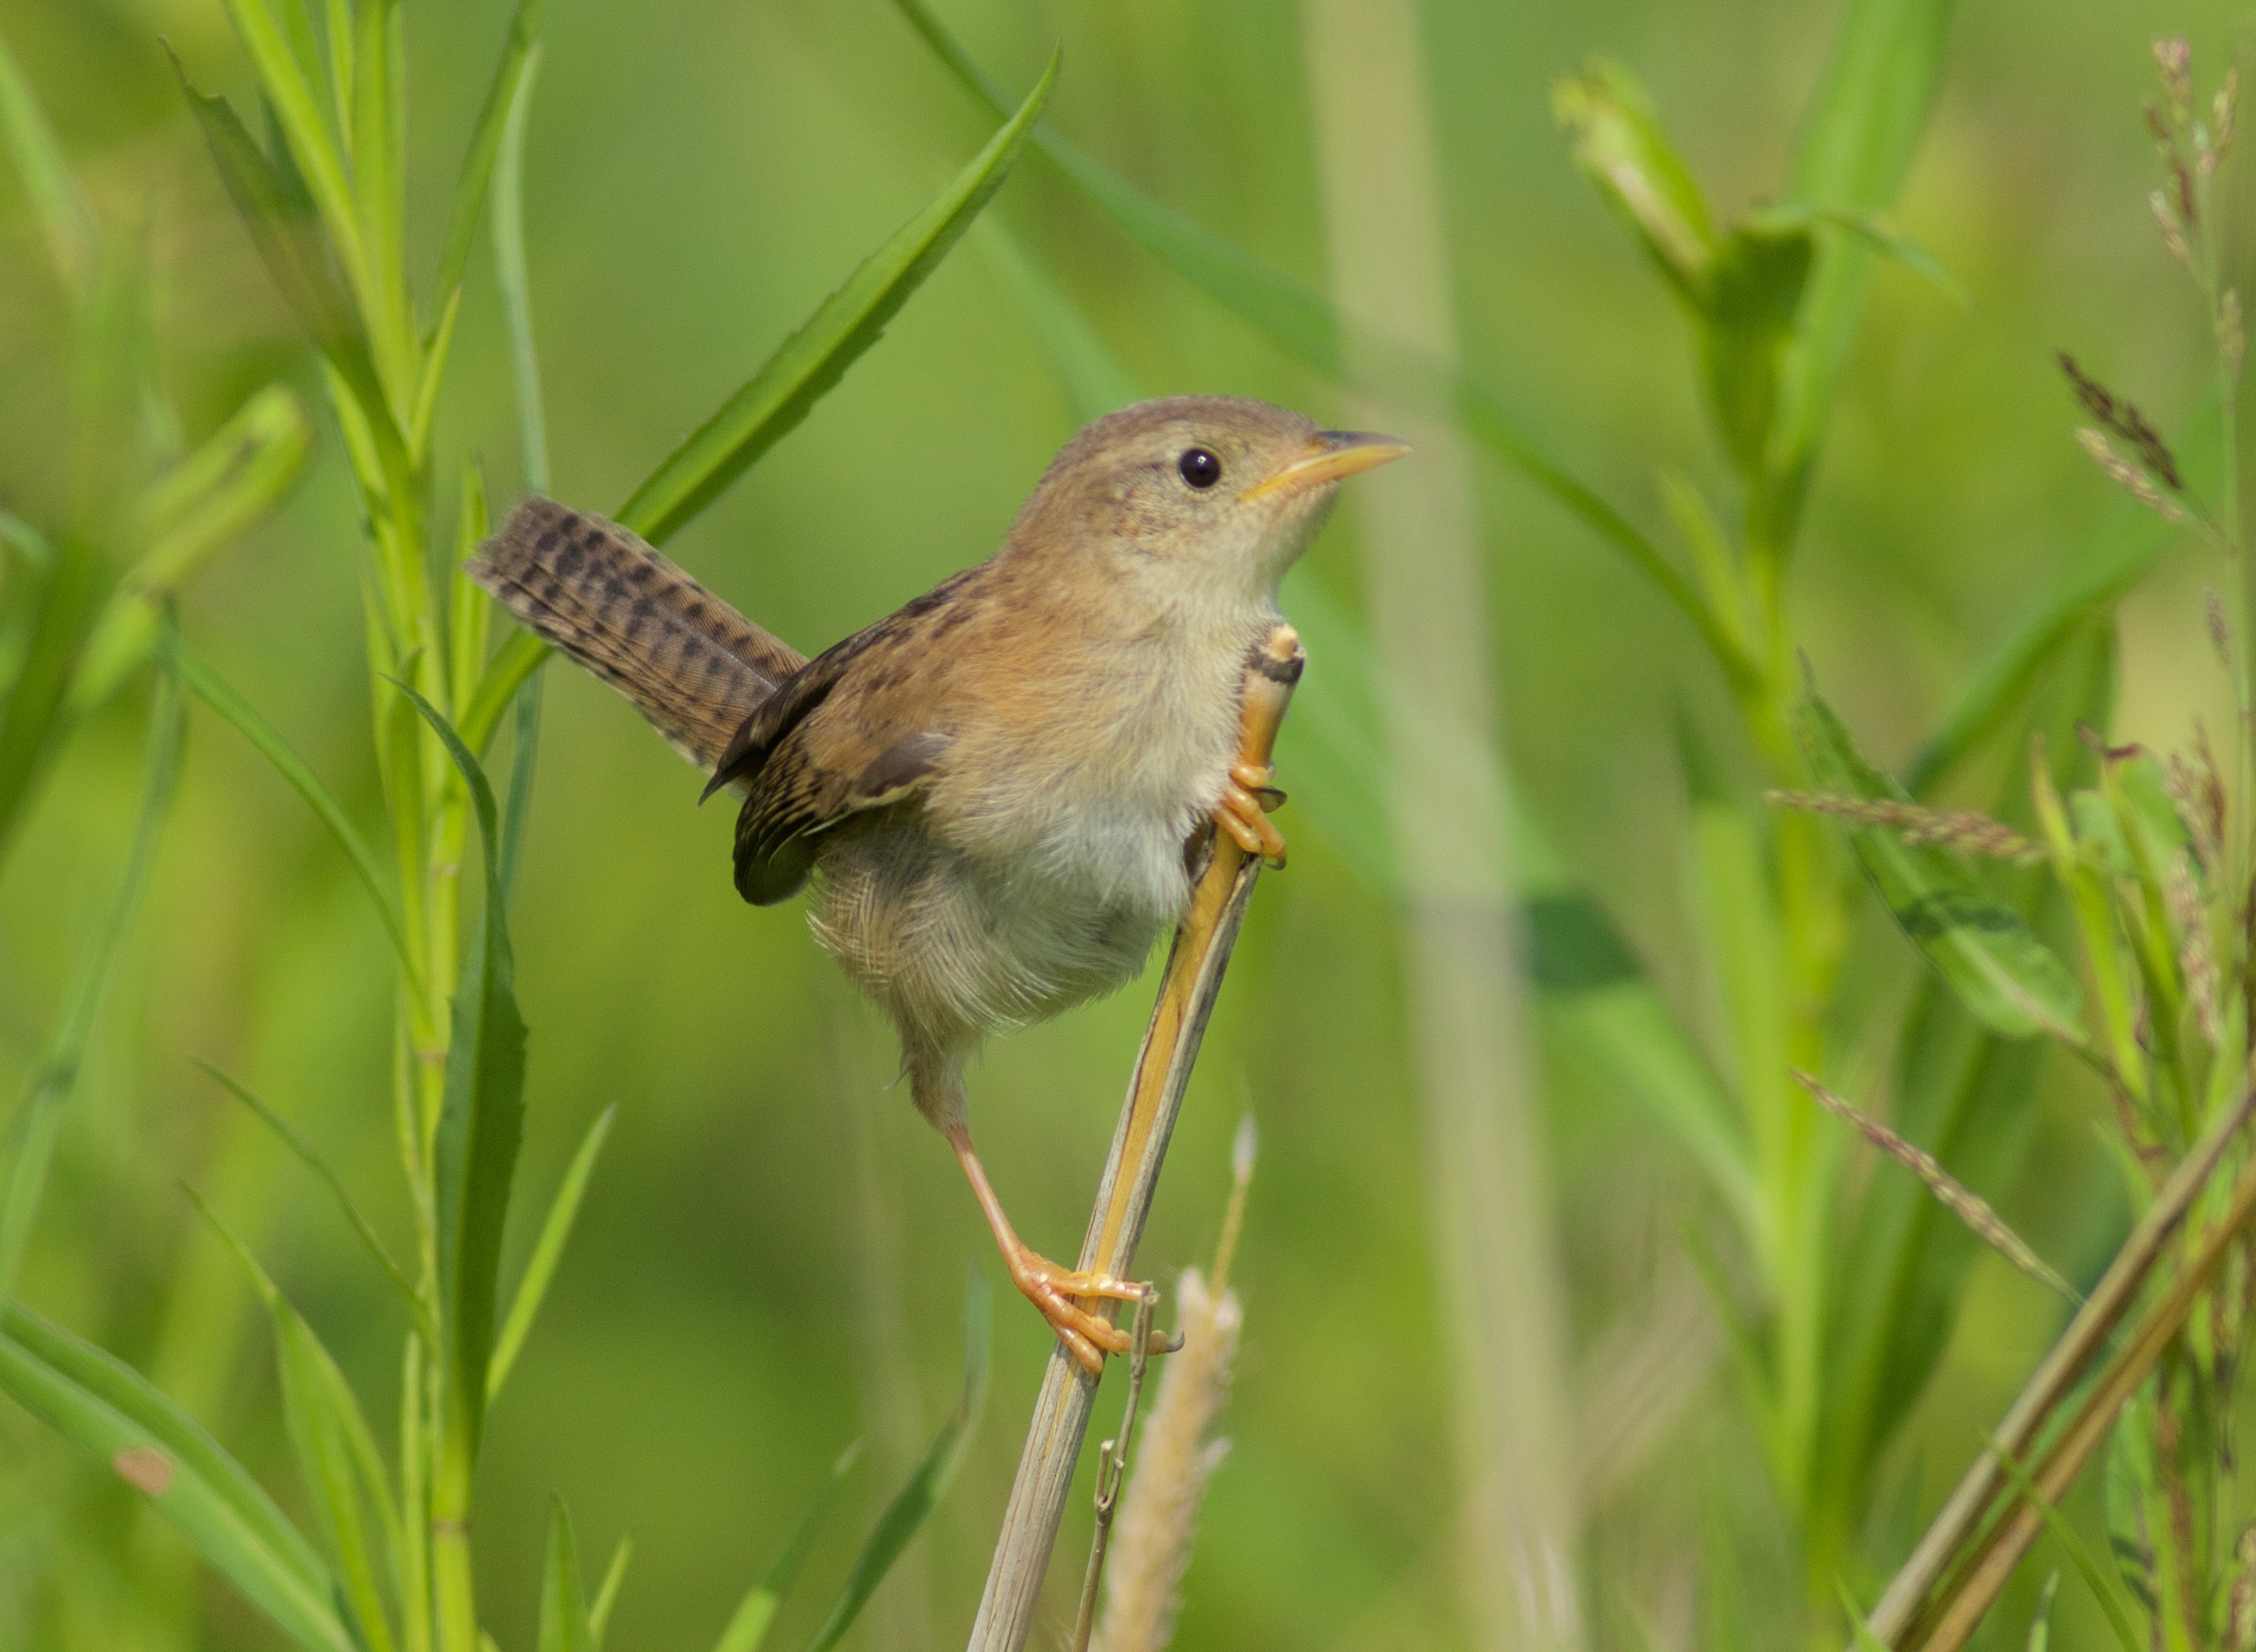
x: 1618, y: 143
x: 308, y: 1154
x: 1589, y: 984
x: 214, y: 690
x: 62, y: 611
x: 608, y: 1595
x: 756, y: 1612
x: 563, y: 1626
x: 816, y: 357
x: 110, y: 1410
x: 2011, y: 981
x: 1859, y: 134
x: 906, y: 1513
x: 499, y: 111
x: 337, y: 1455
x: 547, y: 1252
x: 207, y: 501
x: 1755, y: 286
x: 1306, y: 324
x: 44, y: 169
x: 481, y: 1118
x: 30, y: 1140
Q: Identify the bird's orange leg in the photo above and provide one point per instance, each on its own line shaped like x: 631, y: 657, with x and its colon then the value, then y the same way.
x: 1247, y: 798
x: 1088, y: 1336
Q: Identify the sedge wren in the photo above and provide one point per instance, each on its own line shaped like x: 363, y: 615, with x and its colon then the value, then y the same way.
x: 994, y: 790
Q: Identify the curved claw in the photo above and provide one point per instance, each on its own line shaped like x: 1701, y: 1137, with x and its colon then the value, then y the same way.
x: 1240, y: 813
x: 1088, y: 1336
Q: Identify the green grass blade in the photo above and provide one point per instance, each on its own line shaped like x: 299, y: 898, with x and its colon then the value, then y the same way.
x: 1861, y: 1634
x: 1305, y: 323
x: 1859, y: 134
x: 209, y: 500
x: 33, y: 719
x: 563, y: 1626
x: 44, y: 169
x: 607, y: 1596
x: 338, y: 1459
x: 288, y: 84
x: 907, y: 1512
x: 510, y: 274
x: 504, y: 96
x: 1090, y: 378
x: 2117, y: 1610
x: 308, y: 1154
x: 2011, y: 981
x: 32, y: 1130
x: 755, y: 1614
x: 556, y: 1230
x: 112, y: 1412
x: 214, y: 690
x: 816, y: 357
x: 481, y: 1117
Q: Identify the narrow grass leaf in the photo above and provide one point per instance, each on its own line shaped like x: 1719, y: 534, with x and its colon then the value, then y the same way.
x: 498, y: 110
x: 38, y: 1119
x: 1861, y: 1634
x: 112, y: 1412
x: 556, y: 1229
x: 34, y: 720
x: 1305, y: 323
x: 756, y: 1612
x: 563, y: 1626
x: 44, y: 169
x: 2040, y: 1624
x: 608, y: 1595
x: 337, y: 1460
x: 481, y: 1117
x: 907, y: 1512
x: 308, y: 1154
x: 512, y: 277
x: 2010, y: 980
x: 2087, y: 1567
x: 812, y: 361
x: 198, y: 675
x: 212, y: 498
x: 286, y: 80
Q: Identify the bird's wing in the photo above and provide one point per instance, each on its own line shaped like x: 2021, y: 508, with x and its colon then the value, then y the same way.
x: 852, y: 731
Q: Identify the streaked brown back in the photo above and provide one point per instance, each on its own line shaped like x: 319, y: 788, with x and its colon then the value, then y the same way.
x: 693, y: 664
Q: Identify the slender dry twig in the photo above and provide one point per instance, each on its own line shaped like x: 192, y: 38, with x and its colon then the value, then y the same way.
x: 1948, y: 1537
x: 1187, y: 991
x: 1111, y: 1466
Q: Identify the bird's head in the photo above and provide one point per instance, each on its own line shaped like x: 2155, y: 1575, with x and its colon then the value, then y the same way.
x: 1217, y: 491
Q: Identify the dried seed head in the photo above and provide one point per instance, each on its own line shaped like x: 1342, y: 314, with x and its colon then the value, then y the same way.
x: 2232, y: 337
x: 2198, y: 796
x: 2172, y: 226
x: 1962, y: 830
x: 2174, y: 58
x: 2126, y: 475
x: 2193, y: 956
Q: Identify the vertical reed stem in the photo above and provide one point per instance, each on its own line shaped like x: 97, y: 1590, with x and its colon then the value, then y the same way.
x: 1187, y: 991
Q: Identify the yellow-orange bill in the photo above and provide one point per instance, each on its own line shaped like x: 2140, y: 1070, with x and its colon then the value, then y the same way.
x: 1331, y: 455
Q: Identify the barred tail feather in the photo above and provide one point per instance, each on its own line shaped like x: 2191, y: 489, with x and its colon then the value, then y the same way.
x: 691, y: 664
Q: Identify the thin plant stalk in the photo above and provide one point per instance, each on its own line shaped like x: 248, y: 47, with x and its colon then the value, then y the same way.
x: 1187, y: 990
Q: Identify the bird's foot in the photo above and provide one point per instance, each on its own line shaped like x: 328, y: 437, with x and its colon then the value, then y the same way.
x: 1247, y: 798
x: 1088, y: 1335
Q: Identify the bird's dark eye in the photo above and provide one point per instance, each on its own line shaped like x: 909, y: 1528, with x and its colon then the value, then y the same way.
x: 1199, y: 468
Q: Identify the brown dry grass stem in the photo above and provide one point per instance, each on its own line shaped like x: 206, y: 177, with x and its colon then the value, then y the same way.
x: 1910, y: 1599
x: 1964, y: 830
x: 1187, y: 990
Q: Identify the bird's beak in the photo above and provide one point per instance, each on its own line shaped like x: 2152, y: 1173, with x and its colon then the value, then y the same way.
x: 1330, y: 455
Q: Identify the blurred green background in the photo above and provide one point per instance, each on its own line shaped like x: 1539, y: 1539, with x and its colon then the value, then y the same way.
x: 772, y: 1259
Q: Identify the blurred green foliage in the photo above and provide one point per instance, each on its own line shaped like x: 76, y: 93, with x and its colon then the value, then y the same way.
x: 769, y: 1258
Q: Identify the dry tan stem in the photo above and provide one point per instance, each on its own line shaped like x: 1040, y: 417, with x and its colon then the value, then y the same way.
x: 1123, y: 1197
x: 1954, y: 1528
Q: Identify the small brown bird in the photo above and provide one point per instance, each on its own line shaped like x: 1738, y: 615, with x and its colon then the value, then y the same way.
x: 993, y: 789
